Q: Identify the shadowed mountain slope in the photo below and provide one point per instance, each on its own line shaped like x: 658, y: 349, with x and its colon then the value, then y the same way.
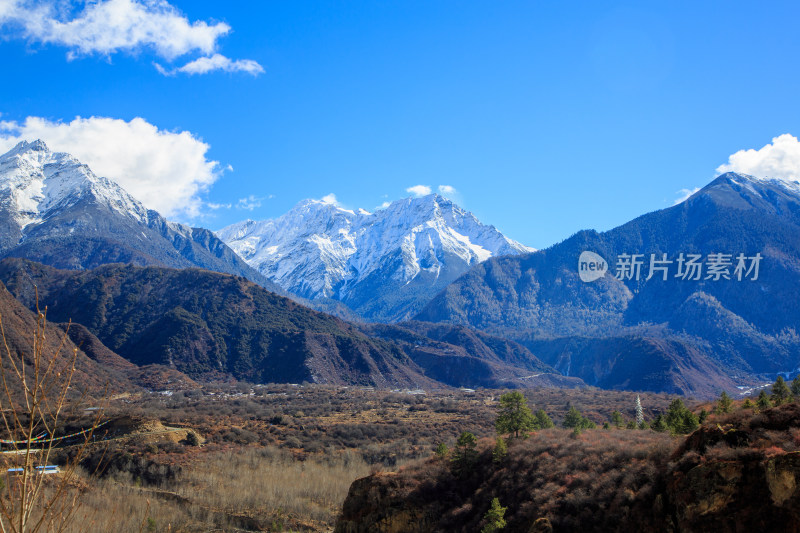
x: 216, y: 326
x: 734, y: 329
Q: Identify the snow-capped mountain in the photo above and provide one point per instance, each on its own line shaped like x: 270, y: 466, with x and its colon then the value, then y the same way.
x: 37, y: 184
x: 384, y: 265
x: 55, y: 210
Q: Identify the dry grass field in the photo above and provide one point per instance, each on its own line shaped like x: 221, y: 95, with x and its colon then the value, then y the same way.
x: 280, y: 457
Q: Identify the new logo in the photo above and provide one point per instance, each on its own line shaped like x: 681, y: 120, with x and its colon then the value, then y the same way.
x: 591, y: 267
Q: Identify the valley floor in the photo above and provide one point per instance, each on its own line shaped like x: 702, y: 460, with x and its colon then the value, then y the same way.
x: 280, y: 457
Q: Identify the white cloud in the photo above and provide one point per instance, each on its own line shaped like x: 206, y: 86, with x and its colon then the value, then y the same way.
x: 684, y: 195
x: 450, y: 192
x: 205, y: 65
x: 250, y: 202
x: 329, y: 199
x: 212, y: 205
x: 167, y: 171
x: 419, y: 190
x: 779, y: 159
x: 107, y: 27
x: 384, y: 205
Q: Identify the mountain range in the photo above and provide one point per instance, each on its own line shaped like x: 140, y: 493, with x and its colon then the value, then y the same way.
x: 210, y: 326
x: 385, y: 265
x: 677, y: 334
x: 622, y: 309
x: 81, y: 244
x: 55, y: 210
x: 98, y: 370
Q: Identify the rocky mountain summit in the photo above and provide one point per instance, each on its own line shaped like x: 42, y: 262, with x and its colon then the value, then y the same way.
x: 384, y: 265
x: 55, y: 210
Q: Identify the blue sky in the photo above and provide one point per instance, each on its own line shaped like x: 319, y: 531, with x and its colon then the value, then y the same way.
x: 545, y: 119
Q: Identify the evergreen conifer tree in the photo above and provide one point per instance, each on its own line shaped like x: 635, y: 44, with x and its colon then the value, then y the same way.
x: 724, y: 404
x: 573, y: 418
x: 500, y: 450
x: 796, y: 388
x: 494, y: 517
x: 780, y: 392
x: 515, y: 416
x: 464, y: 454
x: 543, y: 421
x: 763, y: 401
x: 442, y: 450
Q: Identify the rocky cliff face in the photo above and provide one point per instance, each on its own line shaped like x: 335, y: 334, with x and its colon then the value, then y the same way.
x: 725, y: 495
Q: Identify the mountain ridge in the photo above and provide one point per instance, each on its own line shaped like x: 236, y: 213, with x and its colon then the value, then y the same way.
x: 210, y: 326
x: 746, y: 329
x: 383, y: 264
x: 55, y: 210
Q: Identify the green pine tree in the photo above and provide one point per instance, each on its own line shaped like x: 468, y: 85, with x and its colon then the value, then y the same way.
x: 724, y: 404
x: 689, y: 422
x: 616, y: 419
x: 515, y: 416
x: 748, y: 404
x: 659, y: 424
x: 679, y: 419
x: 543, y: 421
x: 464, y: 454
x: 675, y: 414
x: 494, y: 517
x: 763, y: 401
x: 573, y: 418
x: 796, y: 388
x: 442, y: 450
x: 780, y: 392
x: 500, y: 450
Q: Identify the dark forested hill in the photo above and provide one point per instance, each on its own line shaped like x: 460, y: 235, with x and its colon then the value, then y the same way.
x: 215, y: 326
x: 210, y: 325
x: 18, y: 327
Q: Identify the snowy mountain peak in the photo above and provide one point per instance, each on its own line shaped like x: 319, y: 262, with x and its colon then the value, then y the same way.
x: 321, y: 249
x: 38, y: 145
x: 24, y: 146
x: 36, y: 183
x: 55, y: 210
x: 792, y: 185
x: 746, y: 192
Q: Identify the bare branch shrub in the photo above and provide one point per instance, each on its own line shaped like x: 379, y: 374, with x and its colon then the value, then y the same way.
x: 35, y: 396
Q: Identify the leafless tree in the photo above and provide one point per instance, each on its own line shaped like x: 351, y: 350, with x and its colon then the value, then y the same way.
x: 36, y: 395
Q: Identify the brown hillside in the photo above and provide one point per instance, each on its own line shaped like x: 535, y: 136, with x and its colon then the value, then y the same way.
x: 18, y: 327
x: 740, y: 472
